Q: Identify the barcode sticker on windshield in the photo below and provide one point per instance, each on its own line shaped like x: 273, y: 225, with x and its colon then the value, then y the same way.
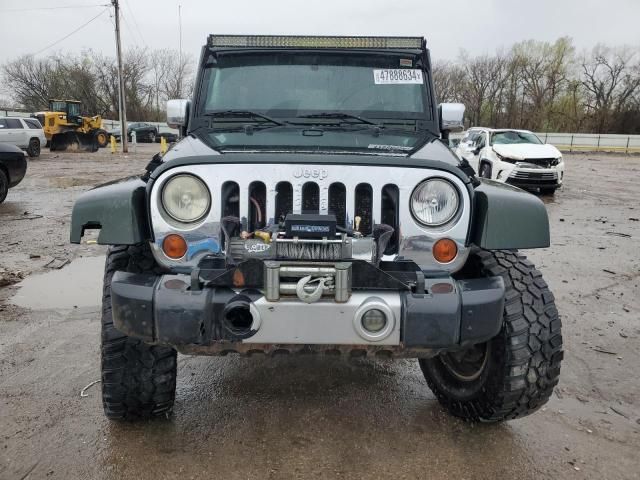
x: 397, y: 76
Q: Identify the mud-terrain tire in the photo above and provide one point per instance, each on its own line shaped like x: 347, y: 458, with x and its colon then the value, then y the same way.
x: 518, y: 369
x: 138, y: 380
x: 4, y: 186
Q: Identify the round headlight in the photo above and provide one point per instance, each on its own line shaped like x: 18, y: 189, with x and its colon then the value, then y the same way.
x: 434, y: 202
x: 186, y: 198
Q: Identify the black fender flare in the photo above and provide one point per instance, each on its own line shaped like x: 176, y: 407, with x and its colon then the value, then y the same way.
x: 118, y: 209
x: 505, y: 217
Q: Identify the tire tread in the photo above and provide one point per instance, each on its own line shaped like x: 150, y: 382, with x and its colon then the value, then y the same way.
x: 138, y: 379
x: 529, y: 346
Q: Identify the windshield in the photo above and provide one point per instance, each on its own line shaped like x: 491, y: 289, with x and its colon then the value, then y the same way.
x: 285, y: 94
x: 512, y: 136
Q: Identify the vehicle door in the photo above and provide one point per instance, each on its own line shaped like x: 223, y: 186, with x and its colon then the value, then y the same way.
x: 17, y: 132
x: 465, y: 143
x: 475, y: 151
x: 4, y: 131
x: 32, y: 124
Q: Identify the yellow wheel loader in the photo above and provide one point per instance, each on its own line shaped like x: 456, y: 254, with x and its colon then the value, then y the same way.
x: 65, y: 127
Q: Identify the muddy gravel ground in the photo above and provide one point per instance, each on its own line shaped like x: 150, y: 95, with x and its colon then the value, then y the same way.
x: 302, y: 417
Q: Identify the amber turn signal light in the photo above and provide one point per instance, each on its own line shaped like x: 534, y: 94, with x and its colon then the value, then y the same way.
x: 174, y: 246
x: 445, y: 250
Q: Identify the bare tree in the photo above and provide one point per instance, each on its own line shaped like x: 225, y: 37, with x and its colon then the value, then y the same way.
x: 611, y: 81
x: 33, y: 81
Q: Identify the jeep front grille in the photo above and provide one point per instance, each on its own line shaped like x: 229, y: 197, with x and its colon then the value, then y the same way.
x: 264, y: 204
x: 379, y: 194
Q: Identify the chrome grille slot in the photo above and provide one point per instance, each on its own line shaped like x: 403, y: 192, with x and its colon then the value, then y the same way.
x: 257, y: 206
x: 284, y: 200
x: 389, y: 215
x: 338, y: 203
x: 230, y: 199
x: 364, y: 208
x: 310, y: 198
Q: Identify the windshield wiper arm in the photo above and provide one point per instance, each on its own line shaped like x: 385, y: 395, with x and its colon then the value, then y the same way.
x: 340, y: 116
x: 244, y: 114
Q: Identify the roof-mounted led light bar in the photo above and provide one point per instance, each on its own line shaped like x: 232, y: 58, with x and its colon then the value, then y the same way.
x: 295, y: 41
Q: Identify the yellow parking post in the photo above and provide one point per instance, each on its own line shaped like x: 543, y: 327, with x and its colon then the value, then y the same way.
x: 163, y: 144
x: 113, y: 144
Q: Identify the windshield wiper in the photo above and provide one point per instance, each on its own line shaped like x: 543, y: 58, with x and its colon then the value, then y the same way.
x: 340, y: 116
x: 245, y: 114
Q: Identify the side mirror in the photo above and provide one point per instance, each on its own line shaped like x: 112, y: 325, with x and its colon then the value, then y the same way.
x: 178, y: 113
x: 451, y: 118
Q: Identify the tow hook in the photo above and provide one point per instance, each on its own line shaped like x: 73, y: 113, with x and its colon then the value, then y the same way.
x: 314, y: 296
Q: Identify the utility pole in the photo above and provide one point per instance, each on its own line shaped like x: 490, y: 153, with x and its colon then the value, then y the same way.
x: 121, y: 96
x: 179, y: 36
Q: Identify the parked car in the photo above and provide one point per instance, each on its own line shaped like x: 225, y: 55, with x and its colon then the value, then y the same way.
x: 25, y: 133
x: 170, y: 136
x: 13, y: 167
x: 517, y: 157
x: 312, y: 207
x: 145, y: 132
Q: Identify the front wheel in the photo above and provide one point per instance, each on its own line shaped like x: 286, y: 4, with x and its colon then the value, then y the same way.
x: 485, y: 170
x: 101, y: 138
x: 33, y: 150
x: 513, y: 374
x: 4, y: 186
x: 138, y: 380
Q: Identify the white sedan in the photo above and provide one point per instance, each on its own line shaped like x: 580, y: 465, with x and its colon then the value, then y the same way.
x: 517, y: 157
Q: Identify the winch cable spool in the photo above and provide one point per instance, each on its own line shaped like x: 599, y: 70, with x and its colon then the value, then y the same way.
x: 309, y: 251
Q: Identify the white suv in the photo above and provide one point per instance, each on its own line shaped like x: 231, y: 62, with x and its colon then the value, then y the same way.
x: 517, y: 157
x: 25, y: 133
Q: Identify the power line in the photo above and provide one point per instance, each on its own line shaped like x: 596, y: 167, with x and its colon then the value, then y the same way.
x: 69, y: 34
x: 130, y: 30
x: 51, y: 8
x: 135, y: 22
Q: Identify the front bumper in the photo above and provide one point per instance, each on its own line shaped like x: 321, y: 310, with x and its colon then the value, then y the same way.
x: 535, y: 178
x: 166, y: 310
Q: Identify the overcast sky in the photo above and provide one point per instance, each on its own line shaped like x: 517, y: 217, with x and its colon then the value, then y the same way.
x: 28, y: 26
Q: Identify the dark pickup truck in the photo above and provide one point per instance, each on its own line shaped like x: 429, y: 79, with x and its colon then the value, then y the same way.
x: 13, y: 167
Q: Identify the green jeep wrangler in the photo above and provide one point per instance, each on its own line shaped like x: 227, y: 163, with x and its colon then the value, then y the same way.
x: 314, y: 207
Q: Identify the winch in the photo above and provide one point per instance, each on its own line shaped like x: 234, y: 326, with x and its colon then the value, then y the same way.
x: 308, y: 282
x: 305, y: 237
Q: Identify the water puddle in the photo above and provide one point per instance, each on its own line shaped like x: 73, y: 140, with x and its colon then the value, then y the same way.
x: 78, y: 284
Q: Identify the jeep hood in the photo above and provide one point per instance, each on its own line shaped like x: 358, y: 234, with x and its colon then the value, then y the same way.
x: 522, y: 151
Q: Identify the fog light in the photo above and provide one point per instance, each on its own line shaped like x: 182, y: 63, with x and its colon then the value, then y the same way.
x: 374, y: 320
